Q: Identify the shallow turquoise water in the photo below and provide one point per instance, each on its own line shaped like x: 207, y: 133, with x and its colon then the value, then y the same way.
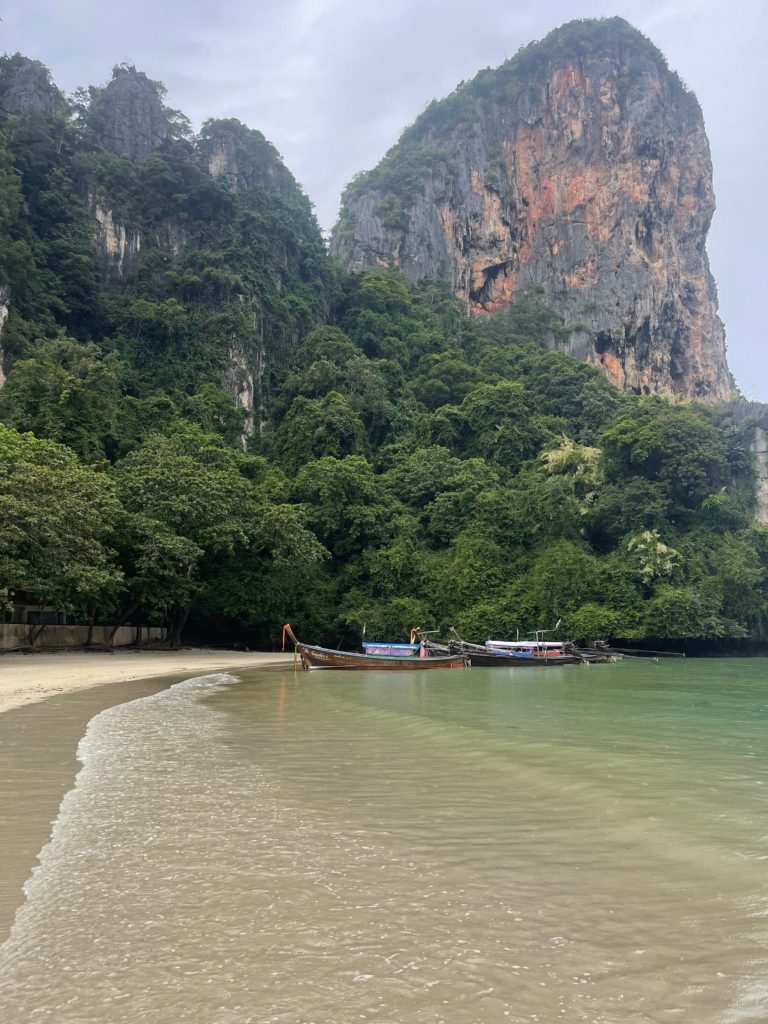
x: 577, y: 844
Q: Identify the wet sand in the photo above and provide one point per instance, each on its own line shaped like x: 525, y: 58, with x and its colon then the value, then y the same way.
x: 25, y: 678
x: 47, y: 701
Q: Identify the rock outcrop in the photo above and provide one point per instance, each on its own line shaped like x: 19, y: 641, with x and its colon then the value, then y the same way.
x: 118, y: 244
x: 579, y: 168
x: 25, y: 85
x: 5, y: 298
x: 242, y: 377
x: 759, y: 449
x: 243, y: 157
x: 755, y: 415
x: 129, y: 117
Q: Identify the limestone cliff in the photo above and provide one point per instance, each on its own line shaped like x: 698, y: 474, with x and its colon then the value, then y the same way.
x: 5, y: 297
x: 252, y: 221
x: 25, y: 85
x: 740, y: 412
x: 581, y: 168
x: 251, y: 166
x: 118, y: 244
x: 128, y: 115
x: 242, y: 157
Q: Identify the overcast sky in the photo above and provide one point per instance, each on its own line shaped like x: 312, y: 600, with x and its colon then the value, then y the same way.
x: 333, y: 82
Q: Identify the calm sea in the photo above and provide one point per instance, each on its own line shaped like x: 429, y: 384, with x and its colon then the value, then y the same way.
x: 575, y: 844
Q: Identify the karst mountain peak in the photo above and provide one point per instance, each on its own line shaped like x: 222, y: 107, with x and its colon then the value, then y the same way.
x: 579, y: 169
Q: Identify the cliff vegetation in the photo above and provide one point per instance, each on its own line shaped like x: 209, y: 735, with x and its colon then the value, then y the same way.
x: 205, y: 422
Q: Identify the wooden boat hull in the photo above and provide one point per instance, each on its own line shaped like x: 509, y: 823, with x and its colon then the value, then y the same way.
x: 480, y: 660
x: 321, y: 657
x: 598, y: 657
x: 325, y: 657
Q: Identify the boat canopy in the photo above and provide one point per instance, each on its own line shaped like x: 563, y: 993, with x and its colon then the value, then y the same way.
x: 382, y: 647
x: 524, y: 645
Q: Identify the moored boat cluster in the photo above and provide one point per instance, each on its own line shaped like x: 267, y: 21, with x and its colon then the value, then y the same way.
x: 423, y: 653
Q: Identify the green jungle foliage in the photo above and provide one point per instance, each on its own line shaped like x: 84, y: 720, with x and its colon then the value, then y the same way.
x: 209, y: 268
x: 406, y: 466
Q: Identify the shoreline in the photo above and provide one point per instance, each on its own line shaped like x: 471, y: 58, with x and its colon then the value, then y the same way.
x: 47, y: 700
x: 28, y: 678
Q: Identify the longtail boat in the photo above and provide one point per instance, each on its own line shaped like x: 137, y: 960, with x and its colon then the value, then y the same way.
x: 483, y: 656
x: 533, y: 653
x: 528, y: 648
x: 313, y: 657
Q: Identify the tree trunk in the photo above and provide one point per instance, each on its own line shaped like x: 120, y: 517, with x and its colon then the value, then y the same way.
x: 34, y: 635
x: 122, y: 621
x: 177, y: 624
x: 89, y: 634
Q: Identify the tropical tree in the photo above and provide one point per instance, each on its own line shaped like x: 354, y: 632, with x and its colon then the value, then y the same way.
x: 57, y: 520
x: 67, y: 392
x: 193, y: 505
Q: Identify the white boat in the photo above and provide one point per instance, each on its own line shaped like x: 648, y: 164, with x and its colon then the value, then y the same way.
x: 536, y: 648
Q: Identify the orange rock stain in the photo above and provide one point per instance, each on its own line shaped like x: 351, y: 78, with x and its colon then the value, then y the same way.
x: 613, y: 369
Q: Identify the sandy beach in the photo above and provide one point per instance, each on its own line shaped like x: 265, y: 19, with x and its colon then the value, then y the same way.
x: 25, y: 678
x: 47, y: 700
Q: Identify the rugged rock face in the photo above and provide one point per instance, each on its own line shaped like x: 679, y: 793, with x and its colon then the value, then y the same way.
x: 240, y: 381
x: 129, y: 117
x: 118, y: 244
x: 252, y: 170
x: 5, y: 298
x: 756, y: 413
x: 760, y: 454
x: 580, y: 168
x: 26, y: 85
x: 249, y: 163
x: 221, y: 158
x: 243, y: 157
x: 242, y: 259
